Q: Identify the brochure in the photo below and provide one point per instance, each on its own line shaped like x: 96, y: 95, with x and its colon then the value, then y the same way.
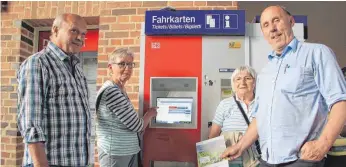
x: 209, y: 152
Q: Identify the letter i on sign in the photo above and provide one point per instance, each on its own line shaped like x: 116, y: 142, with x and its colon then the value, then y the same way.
x: 227, y: 21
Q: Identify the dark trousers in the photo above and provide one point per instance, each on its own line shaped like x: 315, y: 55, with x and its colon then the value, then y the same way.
x: 31, y: 165
x: 297, y: 163
x: 335, y: 161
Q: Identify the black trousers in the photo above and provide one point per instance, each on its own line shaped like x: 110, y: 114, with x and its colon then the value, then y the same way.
x: 297, y: 163
x: 335, y: 161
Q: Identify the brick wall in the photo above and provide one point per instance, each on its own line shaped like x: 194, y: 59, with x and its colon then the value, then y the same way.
x: 119, y: 26
x: 27, y: 41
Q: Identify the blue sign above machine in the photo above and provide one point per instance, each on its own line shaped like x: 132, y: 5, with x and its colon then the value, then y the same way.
x: 195, y: 22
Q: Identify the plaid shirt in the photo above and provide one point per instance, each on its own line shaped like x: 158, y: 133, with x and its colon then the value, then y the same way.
x: 53, y: 107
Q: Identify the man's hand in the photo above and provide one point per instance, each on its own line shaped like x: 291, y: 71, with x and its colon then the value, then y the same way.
x: 343, y: 132
x: 38, y: 154
x: 232, y: 152
x: 246, y: 141
x: 313, y: 150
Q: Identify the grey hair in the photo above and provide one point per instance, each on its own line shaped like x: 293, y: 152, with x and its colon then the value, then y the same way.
x: 248, y: 69
x: 59, y: 20
x: 119, y: 53
x: 57, y: 23
x: 282, y: 7
x: 285, y: 10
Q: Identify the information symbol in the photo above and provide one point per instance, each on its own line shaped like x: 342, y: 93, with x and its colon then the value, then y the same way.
x: 227, y: 21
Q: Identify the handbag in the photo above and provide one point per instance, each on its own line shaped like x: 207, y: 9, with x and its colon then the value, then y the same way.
x: 258, y: 148
x: 249, y: 157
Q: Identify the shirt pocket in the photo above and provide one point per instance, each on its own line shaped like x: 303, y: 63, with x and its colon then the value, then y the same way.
x: 295, y: 79
x: 59, y: 90
x: 62, y: 90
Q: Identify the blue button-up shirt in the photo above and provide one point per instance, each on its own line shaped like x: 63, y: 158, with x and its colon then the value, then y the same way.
x: 294, y: 93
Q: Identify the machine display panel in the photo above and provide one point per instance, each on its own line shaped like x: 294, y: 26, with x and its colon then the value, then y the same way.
x: 174, y: 110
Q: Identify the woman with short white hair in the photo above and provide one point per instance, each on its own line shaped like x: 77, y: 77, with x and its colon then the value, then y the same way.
x: 118, y: 123
x: 234, y: 113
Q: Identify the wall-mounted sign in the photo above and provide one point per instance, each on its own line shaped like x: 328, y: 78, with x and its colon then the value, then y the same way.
x: 195, y: 22
x: 234, y: 45
x: 226, y: 69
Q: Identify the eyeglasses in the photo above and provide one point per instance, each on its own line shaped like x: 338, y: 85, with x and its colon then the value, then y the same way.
x: 239, y: 79
x: 123, y: 65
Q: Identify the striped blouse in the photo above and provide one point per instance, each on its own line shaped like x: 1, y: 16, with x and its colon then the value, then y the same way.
x: 117, y: 122
x: 229, y: 117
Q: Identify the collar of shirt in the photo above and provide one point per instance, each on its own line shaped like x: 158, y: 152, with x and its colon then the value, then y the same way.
x: 246, y: 108
x: 291, y: 46
x: 236, y: 96
x: 62, y: 55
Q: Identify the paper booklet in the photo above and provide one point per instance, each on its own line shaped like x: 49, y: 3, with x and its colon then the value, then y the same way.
x: 209, y: 152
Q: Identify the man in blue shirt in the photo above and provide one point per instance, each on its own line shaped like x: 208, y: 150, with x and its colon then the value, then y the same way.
x: 301, y: 83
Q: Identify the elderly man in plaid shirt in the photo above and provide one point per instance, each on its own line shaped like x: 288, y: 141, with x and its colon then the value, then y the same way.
x: 53, y: 109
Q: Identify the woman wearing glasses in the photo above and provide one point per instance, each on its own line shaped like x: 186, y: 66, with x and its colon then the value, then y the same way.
x: 118, y: 123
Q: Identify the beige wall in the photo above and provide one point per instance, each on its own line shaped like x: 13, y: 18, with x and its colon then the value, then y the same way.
x: 326, y: 21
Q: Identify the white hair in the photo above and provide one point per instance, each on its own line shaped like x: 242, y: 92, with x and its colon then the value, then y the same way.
x: 119, y: 53
x: 57, y: 23
x: 245, y: 68
x: 59, y: 20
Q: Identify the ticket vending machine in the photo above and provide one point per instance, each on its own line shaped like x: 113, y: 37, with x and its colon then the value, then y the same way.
x: 186, y: 61
x: 183, y: 56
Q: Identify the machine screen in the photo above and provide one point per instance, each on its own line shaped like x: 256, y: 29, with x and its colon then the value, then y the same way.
x: 174, y: 110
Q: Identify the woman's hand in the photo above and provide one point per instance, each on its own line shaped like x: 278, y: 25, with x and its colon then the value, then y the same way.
x: 151, y: 112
